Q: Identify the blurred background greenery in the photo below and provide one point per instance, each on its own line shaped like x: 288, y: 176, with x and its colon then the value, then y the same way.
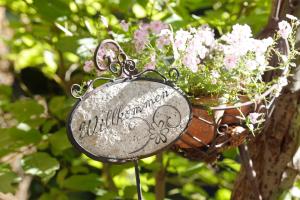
x: 43, y: 46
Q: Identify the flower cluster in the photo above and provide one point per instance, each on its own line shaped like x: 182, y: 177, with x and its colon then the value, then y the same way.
x: 226, y: 67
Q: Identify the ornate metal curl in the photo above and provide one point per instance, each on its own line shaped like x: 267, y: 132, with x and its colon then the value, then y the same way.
x: 109, y: 55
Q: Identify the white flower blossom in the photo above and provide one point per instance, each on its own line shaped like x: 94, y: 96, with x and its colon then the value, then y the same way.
x: 251, y: 65
x: 285, y: 29
x: 181, y: 38
x: 239, y: 33
x: 292, y: 17
x: 282, y: 81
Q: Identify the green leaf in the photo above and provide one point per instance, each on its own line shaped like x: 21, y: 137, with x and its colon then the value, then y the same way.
x: 8, y: 179
x: 54, y: 194
x: 59, y: 142
x: 61, y: 176
x: 60, y: 106
x: 48, y: 125
x: 67, y: 44
x: 26, y: 109
x: 108, y: 196
x: 30, y: 57
x: 12, y: 139
x: 51, y: 10
x: 208, y: 176
x: 5, y: 94
x: 230, y: 163
x: 223, y: 194
x: 88, y: 182
x: 40, y: 164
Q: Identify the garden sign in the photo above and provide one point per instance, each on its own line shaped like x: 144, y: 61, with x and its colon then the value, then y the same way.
x: 127, y: 118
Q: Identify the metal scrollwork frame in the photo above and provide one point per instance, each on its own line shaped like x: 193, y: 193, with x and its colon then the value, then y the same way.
x: 121, y: 66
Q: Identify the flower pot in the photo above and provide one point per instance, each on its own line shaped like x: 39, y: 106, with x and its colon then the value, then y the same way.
x: 199, y: 133
x: 202, y: 127
x: 238, y: 113
x: 202, y: 130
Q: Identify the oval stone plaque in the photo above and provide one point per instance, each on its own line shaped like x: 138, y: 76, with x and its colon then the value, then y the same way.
x: 126, y: 120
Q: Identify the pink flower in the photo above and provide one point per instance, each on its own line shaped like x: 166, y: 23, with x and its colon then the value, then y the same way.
x: 157, y: 26
x: 140, y: 39
x: 88, y: 66
x: 152, y: 63
x: 164, y: 38
x: 285, y: 29
x: 230, y: 61
x: 124, y: 25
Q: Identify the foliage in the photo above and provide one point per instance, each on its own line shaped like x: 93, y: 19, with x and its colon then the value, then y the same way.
x: 50, y: 42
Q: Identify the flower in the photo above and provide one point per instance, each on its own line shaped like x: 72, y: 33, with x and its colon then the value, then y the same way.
x: 230, y: 62
x: 291, y: 17
x: 88, y: 66
x: 285, y: 29
x: 251, y: 65
x: 190, y: 61
x: 164, y: 38
x: 157, y: 26
x: 215, y: 75
x: 181, y: 38
x: 282, y: 81
x: 205, y: 35
x: 196, y: 48
x: 240, y: 33
x: 253, y: 117
x: 158, y: 132
x: 152, y: 63
x: 124, y: 25
x: 141, y: 38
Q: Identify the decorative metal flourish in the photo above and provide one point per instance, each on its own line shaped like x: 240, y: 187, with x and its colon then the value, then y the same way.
x: 109, y: 55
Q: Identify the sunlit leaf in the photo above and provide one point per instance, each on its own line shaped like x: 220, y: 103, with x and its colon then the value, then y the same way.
x: 8, y: 178
x: 223, y: 194
x: 40, y: 164
x: 24, y: 110
x: 88, y: 182
x: 12, y: 139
